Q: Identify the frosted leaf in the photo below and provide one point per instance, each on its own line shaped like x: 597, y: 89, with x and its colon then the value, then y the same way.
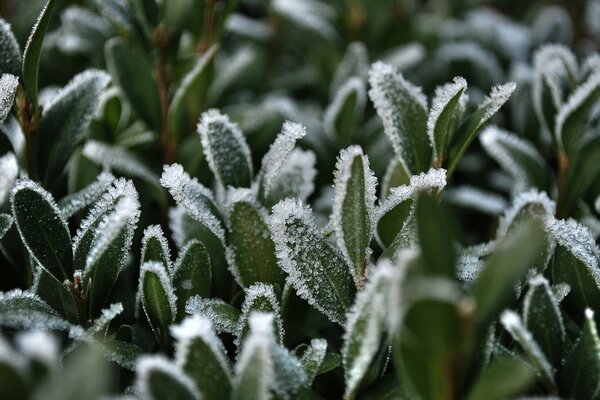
x: 25, y: 310
x: 240, y: 24
x: 569, y: 114
x: 468, y: 267
x: 296, y: 178
x: 313, y: 15
x: 9, y: 170
x: 353, y: 86
x: 12, y: 130
x: 314, y: 267
x: 231, y: 68
x: 355, y: 63
x: 8, y: 90
x: 552, y: 24
x: 157, y: 269
x: 119, y: 160
x: 485, y: 63
x: 365, y: 326
x: 531, y: 202
x: 254, y: 374
x: 38, y: 345
x: 226, y: 150
x: 198, y: 330
x: 259, y: 297
x: 592, y: 16
x: 590, y: 65
x: 223, y: 316
x: 353, y: 213
x: 516, y: 156
x: 513, y: 324
x: 290, y: 377
x: 546, y: 55
x: 441, y: 126
x: 313, y: 357
x: 278, y: 154
x: 497, y: 31
x: 560, y: 291
x: 11, y: 59
x: 157, y: 375
x: 154, y: 236
x: 100, y: 324
x: 403, y: 262
x: 194, y: 198
x: 407, y: 56
x: 79, y: 32
x: 476, y: 199
x: 85, y: 197
x: 495, y: 100
x: 403, y: 110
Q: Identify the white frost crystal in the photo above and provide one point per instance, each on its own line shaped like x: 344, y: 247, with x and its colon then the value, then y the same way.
x: 9, y: 169
x: 8, y: 90
x: 147, y: 365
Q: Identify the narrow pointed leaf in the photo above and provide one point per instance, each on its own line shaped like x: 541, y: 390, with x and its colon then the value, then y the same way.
x: 313, y: 358
x: 199, y: 353
x: 192, y: 274
x: 158, y: 298
x: 155, y: 247
x: 33, y: 49
x: 353, y: 216
x: 158, y: 378
x: 345, y: 112
x: 42, y: 229
x: 290, y: 378
x: 11, y: 61
x: 259, y: 297
x: 295, y: 178
x: 314, y: 267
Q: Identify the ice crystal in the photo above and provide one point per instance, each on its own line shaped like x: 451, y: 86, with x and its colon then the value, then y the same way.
x: 155, y: 232
x: 161, y: 273
x: 8, y: 90
x: 259, y: 297
x: 85, y: 197
x: 9, y: 169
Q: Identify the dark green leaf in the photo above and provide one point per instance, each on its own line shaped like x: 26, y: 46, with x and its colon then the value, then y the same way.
x: 259, y: 297
x: 25, y: 310
x: 158, y: 298
x: 344, y: 113
x: 11, y: 60
x: 313, y: 358
x: 158, y: 379
x: 155, y: 247
x: 55, y: 294
x: 223, y: 316
x: 6, y: 222
x: 42, y: 229
x: 33, y: 49
x: 395, y: 175
x: 192, y: 274
x: 84, y: 198
x: 504, y: 378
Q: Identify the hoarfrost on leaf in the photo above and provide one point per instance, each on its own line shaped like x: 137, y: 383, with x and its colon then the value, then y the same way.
x: 8, y: 90
x: 158, y: 269
x: 313, y: 15
x: 38, y: 345
x: 355, y: 63
x: 223, y: 316
x: 353, y: 85
x: 11, y: 59
x: 259, y: 297
x: 25, y: 310
x: 9, y: 170
x: 154, y: 235
x: 85, y: 197
x: 147, y: 367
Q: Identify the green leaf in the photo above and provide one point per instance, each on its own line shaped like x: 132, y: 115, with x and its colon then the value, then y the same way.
x: 504, y: 378
x: 158, y: 378
x: 121, y: 16
x: 403, y: 110
x: 395, y: 175
x: 8, y: 90
x: 437, y: 236
x: 223, y: 316
x: 543, y: 319
x: 330, y: 362
x: 84, y: 198
x: 25, y: 310
x: 344, y: 113
x: 365, y: 329
x: 6, y: 222
x: 575, y: 112
x: 313, y: 357
x: 469, y: 128
x: 513, y: 324
x: 192, y: 89
x: 192, y: 274
x: 55, y: 294
x: 251, y: 250
x: 290, y: 378
x: 518, y: 157
x: 583, y: 171
x: 11, y: 60
x: 158, y: 298
x: 132, y: 71
x: 109, y: 247
x: 314, y: 267
x: 579, y: 375
x: 445, y: 114
x: 226, y: 150
x: 199, y: 353
x: 33, y: 49
x: 66, y: 119
x: 508, y: 264
x: 353, y: 213
x: 254, y: 373
x: 576, y: 264
x: 259, y: 297
x: 155, y: 247
x: 43, y: 231
x: 13, y: 385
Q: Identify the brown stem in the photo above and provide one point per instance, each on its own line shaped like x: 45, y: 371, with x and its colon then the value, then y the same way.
x: 209, y: 25
x: 563, y: 169
x: 29, y: 118
x: 163, y: 81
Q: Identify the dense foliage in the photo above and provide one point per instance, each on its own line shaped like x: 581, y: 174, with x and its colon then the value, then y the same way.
x: 299, y: 199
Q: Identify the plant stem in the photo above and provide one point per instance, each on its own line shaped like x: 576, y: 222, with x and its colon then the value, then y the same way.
x: 563, y: 169
x: 29, y: 117
x: 161, y: 42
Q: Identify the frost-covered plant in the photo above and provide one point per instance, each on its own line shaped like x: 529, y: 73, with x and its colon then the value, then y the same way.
x: 316, y: 217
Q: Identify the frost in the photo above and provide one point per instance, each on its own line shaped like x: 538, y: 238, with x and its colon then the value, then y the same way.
x: 407, y: 56
x: 343, y: 173
x: 468, y: 267
x: 158, y: 269
x: 592, y: 16
x: 9, y: 170
x: 226, y: 150
x: 352, y: 85
x: 279, y: 152
x: 78, y: 201
x: 476, y: 199
x: 155, y: 232
x: 242, y: 25
x: 8, y: 90
x: 355, y: 63
x: 484, y: 61
x: 118, y: 159
x: 552, y: 24
x: 497, y: 31
x: 259, y: 297
x: 513, y: 324
x: 38, y: 345
x: 531, y: 198
x: 560, y: 291
x: 296, y: 178
x: 496, y: 99
x: 194, y: 198
x: 311, y: 14
x: 528, y: 308
x: 11, y: 59
x: 216, y: 311
x: 195, y: 328
x: 508, y: 150
x: 230, y: 70
x: 25, y: 310
x: 443, y: 95
x: 79, y: 32
x: 590, y: 65
x: 147, y: 365
x: 101, y: 323
x: 313, y: 357
x: 575, y: 102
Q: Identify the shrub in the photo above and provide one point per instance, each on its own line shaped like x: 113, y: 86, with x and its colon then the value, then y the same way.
x: 169, y: 229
